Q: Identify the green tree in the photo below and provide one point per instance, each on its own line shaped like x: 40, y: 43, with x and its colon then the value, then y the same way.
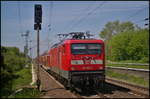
x: 119, y: 44
x: 112, y: 28
x: 138, y: 48
x: 12, y: 61
x: 131, y: 45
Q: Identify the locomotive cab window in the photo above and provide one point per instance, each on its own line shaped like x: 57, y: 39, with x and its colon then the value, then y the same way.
x: 84, y: 48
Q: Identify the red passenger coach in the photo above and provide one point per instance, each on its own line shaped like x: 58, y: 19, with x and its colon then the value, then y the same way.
x: 78, y: 61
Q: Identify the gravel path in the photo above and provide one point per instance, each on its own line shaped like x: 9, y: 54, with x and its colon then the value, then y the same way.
x: 52, y: 88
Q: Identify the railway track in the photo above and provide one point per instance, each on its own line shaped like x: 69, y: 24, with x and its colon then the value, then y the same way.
x: 136, y: 89
x: 113, y: 89
x: 143, y: 73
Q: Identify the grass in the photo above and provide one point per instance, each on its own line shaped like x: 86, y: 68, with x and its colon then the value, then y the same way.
x: 24, y: 78
x: 131, y: 61
x: 128, y: 66
x: 27, y: 93
x: 128, y: 78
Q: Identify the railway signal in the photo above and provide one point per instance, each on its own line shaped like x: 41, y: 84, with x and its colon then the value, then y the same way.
x: 37, y: 17
x: 146, y: 19
x: 37, y: 26
x: 38, y: 13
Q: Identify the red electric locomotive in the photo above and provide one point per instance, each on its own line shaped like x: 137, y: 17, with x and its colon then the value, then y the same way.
x: 77, y: 61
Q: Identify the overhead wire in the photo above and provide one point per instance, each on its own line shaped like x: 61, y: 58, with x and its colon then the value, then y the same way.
x: 50, y: 23
x: 51, y: 17
x: 4, y: 13
x: 136, y: 13
x: 139, y: 21
x: 77, y: 17
x: 19, y: 15
x: 20, y: 19
x: 50, y: 14
x: 88, y: 14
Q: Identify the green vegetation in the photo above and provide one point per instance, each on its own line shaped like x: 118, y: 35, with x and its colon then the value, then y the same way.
x: 128, y: 78
x: 129, y: 61
x: 125, y: 41
x: 24, y: 78
x: 14, y: 74
x: 12, y: 61
x: 128, y: 66
x: 27, y: 93
x: 132, y: 45
x: 113, y: 28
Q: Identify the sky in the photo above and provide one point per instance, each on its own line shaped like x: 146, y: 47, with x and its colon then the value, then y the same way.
x: 63, y: 17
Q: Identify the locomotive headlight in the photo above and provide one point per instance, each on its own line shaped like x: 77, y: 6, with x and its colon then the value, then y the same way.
x: 76, y: 62
x: 72, y: 68
x: 96, y: 62
x: 100, y: 67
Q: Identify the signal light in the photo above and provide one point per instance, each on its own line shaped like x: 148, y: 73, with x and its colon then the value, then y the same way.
x: 37, y: 26
x: 100, y: 67
x: 72, y: 68
x: 38, y: 14
x: 146, y: 19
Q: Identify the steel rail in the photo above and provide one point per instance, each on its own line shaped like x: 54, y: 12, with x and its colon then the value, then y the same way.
x: 143, y: 64
x: 143, y: 73
x: 144, y: 91
x: 132, y: 69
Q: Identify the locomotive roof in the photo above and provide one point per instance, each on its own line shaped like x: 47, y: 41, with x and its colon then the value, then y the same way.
x: 74, y: 40
x: 75, y: 37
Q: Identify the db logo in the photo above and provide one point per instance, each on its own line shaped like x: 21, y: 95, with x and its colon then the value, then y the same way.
x: 87, y: 60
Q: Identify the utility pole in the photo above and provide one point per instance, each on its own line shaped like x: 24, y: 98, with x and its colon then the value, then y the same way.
x: 38, y: 50
x: 30, y: 50
x: 37, y: 26
x: 26, y: 46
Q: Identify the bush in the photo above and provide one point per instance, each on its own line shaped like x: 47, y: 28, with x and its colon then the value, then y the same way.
x: 131, y: 45
x: 24, y: 78
x: 12, y: 61
x: 144, y: 60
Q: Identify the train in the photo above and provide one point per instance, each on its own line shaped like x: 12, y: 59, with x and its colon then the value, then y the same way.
x: 78, y: 61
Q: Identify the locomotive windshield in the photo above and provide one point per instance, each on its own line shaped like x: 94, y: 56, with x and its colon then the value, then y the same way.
x: 84, y: 48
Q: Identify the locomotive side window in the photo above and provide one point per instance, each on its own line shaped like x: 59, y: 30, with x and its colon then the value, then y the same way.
x: 84, y: 48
